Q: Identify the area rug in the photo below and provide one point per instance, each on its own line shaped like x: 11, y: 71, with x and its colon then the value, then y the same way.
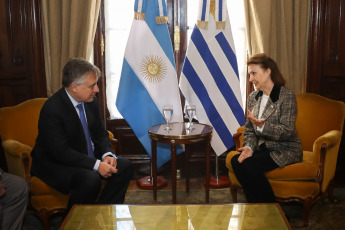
x: 217, y: 196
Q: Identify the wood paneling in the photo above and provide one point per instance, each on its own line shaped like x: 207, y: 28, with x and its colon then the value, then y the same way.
x: 326, y: 60
x: 333, y: 74
x: 21, y: 52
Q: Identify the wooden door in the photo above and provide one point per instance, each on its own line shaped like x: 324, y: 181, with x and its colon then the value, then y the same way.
x: 21, y: 52
x: 326, y: 60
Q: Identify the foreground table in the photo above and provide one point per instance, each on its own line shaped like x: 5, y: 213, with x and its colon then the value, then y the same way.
x: 180, y: 135
x: 142, y: 217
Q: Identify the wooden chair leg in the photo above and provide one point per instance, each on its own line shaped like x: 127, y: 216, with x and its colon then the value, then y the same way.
x: 307, y: 205
x: 233, y: 192
x: 44, y: 217
x: 331, y: 198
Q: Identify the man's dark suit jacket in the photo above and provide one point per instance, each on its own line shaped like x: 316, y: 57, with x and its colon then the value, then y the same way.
x: 61, y: 145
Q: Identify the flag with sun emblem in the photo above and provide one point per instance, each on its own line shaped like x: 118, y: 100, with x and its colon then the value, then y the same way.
x: 210, y: 77
x: 148, y: 78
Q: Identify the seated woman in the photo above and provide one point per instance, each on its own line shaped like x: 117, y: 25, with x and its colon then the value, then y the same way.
x: 270, y: 137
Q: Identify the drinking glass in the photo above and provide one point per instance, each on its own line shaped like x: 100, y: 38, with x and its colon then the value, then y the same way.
x: 168, y: 112
x: 190, y: 111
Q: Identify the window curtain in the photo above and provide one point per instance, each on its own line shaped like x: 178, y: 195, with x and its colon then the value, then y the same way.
x: 69, y: 28
x: 279, y: 28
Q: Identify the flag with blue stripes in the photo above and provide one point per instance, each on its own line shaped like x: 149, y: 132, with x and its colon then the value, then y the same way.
x: 148, y: 78
x: 210, y: 78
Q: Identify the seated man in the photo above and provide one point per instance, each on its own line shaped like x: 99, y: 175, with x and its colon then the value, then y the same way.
x: 72, y: 151
x: 13, y: 200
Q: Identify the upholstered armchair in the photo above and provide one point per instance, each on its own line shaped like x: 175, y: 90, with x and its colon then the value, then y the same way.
x: 319, y: 125
x: 18, y: 131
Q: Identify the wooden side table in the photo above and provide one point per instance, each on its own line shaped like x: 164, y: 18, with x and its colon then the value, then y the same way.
x: 177, y: 136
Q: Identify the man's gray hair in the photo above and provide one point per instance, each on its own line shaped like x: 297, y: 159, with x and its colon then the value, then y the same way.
x: 75, y: 71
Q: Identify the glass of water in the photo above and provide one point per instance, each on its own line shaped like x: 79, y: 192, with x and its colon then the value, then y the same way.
x: 168, y: 112
x: 190, y: 111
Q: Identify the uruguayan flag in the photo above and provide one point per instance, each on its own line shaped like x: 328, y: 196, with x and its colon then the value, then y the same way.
x: 210, y: 77
x: 148, y: 78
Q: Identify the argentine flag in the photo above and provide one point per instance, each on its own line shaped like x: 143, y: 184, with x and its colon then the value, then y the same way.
x: 210, y: 78
x: 148, y: 78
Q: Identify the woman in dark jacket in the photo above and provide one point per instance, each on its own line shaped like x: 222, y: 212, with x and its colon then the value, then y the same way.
x: 270, y: 137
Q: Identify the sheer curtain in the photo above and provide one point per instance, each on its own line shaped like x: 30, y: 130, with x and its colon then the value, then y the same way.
x: 118, y: 21
x: 68, y: 31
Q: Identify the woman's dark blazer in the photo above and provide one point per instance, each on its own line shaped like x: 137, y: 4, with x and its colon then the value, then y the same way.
x: 61, y: 145
x: 279, y: 133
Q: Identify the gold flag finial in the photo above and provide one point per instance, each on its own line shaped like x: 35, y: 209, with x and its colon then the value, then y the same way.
x: 139, y: 16
x: 213, y: 8
x: 162, y: 20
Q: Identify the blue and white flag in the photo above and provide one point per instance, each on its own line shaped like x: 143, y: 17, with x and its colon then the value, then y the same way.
x: 210, y: 78
x: 148, y: 78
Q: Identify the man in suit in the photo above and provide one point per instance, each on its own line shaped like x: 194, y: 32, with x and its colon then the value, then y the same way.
x: 72, y: 151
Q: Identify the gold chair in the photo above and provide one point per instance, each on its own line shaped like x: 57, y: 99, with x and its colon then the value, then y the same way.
x: 319, y: 125
x: 18, y: 131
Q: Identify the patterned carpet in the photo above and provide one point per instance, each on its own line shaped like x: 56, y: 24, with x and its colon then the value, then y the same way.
x: 324, y: 215
x: 217, y: 196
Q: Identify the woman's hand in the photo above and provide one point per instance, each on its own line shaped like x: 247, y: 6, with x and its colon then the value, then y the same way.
x: 245, y: 153
x: 257, y: 122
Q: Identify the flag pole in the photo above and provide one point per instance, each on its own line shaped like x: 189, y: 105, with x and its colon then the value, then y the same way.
x: 219, y: 181
x: 149, y: 59
x: 146, y: 183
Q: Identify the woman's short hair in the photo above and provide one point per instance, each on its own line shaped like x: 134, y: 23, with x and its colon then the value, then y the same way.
x: 75, y: 71
x: 266, y: 62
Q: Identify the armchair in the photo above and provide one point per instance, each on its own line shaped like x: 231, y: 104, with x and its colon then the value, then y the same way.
x: 319, y: 125
x: 18, y: 131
